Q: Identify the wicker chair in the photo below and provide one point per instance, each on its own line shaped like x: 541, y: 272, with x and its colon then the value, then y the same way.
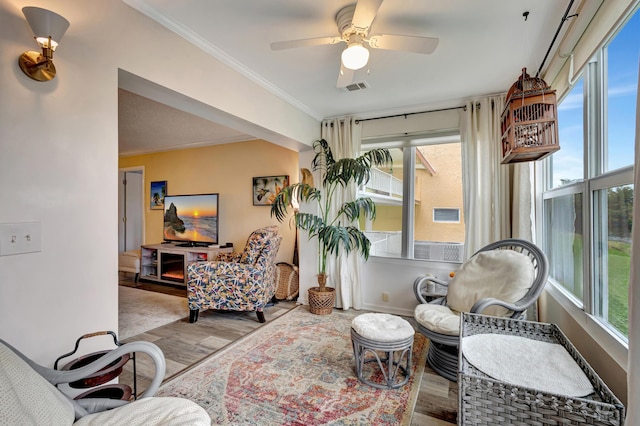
x: 503, y: 279
x: 30, y: 394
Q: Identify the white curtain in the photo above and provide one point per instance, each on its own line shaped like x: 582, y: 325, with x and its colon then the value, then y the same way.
x: 344, y: 272
x: 497, y: 198
x: 633, y: 367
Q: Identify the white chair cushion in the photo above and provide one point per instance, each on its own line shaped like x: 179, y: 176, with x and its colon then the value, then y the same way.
x: 28, y: 398
x: 503, y: 274
x: 438, y: 318
x: 382, y: 327
x: 167, y: 411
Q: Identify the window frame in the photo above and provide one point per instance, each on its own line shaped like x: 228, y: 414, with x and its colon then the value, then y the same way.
x: 409, y: 143
x: 596, y: 178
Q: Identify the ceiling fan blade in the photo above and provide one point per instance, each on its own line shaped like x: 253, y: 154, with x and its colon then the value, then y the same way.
x: 345, y: 77
x: 425, y: 45
x: 290, y: 44
x: 365, y: 13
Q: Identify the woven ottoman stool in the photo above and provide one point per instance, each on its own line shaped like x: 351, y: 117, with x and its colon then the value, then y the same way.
x: 386, y: 339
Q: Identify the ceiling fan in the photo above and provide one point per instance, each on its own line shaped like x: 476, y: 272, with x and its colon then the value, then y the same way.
x: 354, y: 22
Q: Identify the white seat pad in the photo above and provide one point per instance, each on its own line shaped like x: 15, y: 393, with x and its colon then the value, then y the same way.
x: 167, y: 411
x: 438, y: 318
x: 526, y: 362
x: 382, y: 327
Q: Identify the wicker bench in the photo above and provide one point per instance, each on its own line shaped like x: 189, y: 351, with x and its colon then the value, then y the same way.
x: 484, y: 400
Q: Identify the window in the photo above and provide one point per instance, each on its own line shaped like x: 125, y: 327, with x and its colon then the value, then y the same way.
x: 446, y: 215
x: 410, y: 220
x: 587, y: 215
x: 567, y: 165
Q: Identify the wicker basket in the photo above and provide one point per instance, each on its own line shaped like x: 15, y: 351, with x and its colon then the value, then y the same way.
x: 322, y: 302
x: 484, y: 400
x: 287, y: 281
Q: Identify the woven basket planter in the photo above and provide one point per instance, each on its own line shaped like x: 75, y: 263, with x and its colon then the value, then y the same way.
x: 322, y: 302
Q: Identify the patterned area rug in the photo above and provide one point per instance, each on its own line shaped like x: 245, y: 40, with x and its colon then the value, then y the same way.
x: 296, y: 370
x: 142, y: 310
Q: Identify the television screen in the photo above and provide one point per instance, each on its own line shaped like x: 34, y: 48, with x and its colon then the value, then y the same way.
x: 191, y: 218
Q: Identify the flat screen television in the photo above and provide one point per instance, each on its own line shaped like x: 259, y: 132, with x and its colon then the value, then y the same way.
x: 191, y: 220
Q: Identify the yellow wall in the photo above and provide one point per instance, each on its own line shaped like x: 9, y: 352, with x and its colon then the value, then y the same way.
x: 228, y: 170
x: 440, y: 190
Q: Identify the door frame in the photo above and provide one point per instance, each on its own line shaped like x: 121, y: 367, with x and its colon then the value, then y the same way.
x: 142, y: 203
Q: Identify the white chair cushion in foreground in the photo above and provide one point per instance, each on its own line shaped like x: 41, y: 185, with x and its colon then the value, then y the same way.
x: 28, y: 398
x: 27, y: 395
x: 151, y: 411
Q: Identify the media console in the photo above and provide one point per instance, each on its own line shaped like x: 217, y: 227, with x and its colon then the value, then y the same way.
x: 167, y: 263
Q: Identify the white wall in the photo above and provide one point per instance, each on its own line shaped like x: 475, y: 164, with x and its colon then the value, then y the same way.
x: 59, y: 159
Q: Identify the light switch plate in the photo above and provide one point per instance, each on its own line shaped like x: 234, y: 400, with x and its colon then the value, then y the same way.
x: 19, y: 238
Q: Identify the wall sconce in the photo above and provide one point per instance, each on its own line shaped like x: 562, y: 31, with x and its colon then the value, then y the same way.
x: 48, y: 28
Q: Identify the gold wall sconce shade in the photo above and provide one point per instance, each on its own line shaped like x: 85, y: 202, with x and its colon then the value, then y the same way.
x: 48, y: 28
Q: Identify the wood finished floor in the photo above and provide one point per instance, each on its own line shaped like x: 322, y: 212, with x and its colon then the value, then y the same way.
x: 185, y: 344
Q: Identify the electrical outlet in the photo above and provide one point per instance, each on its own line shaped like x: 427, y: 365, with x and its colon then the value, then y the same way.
x: 385, y: 297
x: 18, y: 238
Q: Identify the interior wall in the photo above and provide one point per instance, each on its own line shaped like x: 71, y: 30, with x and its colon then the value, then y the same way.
x: 59, y: 159
x: 225, y: 169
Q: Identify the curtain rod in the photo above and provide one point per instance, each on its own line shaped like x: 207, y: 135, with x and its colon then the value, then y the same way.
x: 564, y: 19
x: 411, y: 113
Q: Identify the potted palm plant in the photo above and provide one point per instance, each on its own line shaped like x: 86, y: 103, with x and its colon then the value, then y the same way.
x: 333, y: 225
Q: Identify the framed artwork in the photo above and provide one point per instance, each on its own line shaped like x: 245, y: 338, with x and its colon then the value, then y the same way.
x: 265, y: 189
x: 156, y: 195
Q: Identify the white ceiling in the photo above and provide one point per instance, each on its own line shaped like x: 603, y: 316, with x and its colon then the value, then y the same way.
x: 483, y: 46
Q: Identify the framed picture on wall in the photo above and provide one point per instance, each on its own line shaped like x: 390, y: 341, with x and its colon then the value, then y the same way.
x: 265, y: 189
x: 156, y: 195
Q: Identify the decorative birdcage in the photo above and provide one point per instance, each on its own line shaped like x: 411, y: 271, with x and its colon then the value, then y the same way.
x: 529, y: 121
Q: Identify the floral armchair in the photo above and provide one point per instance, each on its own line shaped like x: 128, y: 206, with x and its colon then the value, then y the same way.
x: 243, y: 281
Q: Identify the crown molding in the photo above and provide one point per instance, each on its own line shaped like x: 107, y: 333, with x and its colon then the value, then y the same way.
x: 143, y: 7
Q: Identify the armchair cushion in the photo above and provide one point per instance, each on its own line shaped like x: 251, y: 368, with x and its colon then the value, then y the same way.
x: 503, y: 274
x: 228, y: 286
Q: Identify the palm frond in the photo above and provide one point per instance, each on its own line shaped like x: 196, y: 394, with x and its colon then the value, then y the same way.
x: 324, y: 157
x: 310, y: 222
x: 300, y: 192
x: 376, y: 157
x: 353, y: 209
x: 347, y: 238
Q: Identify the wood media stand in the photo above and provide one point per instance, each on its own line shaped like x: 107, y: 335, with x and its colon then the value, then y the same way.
x: 167, y: 263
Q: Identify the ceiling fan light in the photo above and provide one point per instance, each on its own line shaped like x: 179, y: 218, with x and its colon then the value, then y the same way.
x: 355, y: 56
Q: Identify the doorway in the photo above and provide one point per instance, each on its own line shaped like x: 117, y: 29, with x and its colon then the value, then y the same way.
x: 130, y: 208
